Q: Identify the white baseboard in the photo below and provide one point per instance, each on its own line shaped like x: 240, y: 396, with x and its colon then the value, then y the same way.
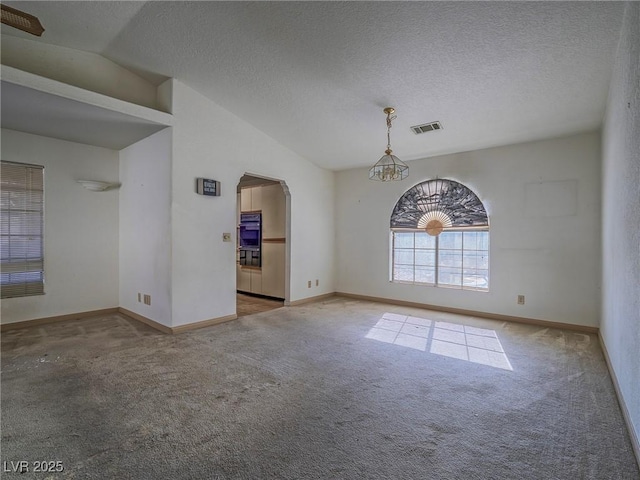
x: 633, y: 434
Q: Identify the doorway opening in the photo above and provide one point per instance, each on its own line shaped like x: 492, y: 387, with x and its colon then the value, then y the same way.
x: 263, y: 250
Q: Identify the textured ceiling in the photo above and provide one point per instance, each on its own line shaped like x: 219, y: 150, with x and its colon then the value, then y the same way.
x: 315, y: 76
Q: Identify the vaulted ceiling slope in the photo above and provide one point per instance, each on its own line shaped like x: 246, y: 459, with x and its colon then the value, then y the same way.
x: 315, y: 76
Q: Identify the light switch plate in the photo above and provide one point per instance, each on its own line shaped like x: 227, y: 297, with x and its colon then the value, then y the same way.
x: 226, y: 237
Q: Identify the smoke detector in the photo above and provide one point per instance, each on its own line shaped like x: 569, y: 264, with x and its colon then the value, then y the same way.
x: 426, y: 127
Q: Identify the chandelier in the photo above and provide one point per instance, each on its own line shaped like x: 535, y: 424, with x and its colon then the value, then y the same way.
x: 389, y: 167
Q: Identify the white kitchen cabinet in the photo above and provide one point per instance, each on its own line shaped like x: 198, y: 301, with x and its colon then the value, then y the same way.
x: 256, y: 199
x: 256, y: 280
x: 243, y: 279
x: 245, y: 199
x: 249, y: 279
x: 273, y: 212
x: 273, y: 269
x: 251, y: 199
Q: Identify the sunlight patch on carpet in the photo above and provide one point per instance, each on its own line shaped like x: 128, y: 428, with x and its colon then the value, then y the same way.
x: 462, y: 342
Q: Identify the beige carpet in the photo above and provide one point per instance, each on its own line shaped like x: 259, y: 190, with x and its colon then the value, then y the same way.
x: 341, y: 389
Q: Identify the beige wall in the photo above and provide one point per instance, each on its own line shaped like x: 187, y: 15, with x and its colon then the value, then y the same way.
x: 145, y: 227
x: 211, y: 142
x: 86, y: 70
x: 543, y: 201
x: 620, y: 325
x: 81, y: 227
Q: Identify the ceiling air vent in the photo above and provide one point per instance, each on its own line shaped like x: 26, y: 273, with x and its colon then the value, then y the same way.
x: 426, y: 127
x: 21, y: 20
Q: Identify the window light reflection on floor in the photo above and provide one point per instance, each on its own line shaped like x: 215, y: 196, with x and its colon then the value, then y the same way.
x: 472, y: 344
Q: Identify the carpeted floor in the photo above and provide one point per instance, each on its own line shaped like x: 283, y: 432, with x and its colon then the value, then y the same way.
x: 340, y: 389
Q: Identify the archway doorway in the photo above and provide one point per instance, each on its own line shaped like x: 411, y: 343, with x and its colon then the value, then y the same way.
x: 263, y: 251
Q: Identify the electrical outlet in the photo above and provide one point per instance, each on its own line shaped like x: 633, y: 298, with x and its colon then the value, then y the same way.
x: 139, y: 297
x: 226, y: 237
x: 317, y: 282
x: 147, y: 299
x: 309, y: 284
x: 520, y: 299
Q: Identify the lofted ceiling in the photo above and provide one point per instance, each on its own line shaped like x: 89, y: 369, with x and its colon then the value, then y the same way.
x: 315, y: 76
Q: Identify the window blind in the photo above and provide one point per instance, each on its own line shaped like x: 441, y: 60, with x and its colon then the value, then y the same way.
x: 22, y: 229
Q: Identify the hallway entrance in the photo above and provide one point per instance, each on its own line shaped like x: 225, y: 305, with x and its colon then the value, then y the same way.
x: 261, y: 265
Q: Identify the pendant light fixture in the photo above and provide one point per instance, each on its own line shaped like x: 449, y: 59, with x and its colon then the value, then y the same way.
x: 389, y: 167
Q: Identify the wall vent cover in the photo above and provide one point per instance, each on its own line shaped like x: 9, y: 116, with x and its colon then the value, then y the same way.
x: 21, y: 20
x: 426, y: 127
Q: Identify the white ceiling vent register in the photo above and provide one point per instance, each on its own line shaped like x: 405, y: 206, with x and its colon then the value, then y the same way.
x: 426, y: 127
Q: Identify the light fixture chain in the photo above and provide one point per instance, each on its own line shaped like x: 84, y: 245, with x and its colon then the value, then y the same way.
x: 389, y: 120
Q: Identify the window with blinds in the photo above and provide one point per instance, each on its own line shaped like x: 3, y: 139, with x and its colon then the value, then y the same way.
x: 22, y: 229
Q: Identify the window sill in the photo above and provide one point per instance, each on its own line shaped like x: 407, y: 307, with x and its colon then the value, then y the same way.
x: 449, y: 287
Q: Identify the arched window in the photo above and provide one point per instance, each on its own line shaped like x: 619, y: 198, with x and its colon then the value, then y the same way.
x: 440, y: 236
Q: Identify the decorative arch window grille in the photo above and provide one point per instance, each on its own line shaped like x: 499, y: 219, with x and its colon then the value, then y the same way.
x: 440, y: 237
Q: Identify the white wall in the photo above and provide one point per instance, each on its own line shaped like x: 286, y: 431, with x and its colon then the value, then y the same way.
x: 81, y: 227
x: 620, y: 325
x: 211, y: 142
x: 82, y: 69
x: 543, y: 204
x: 145, y: 226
